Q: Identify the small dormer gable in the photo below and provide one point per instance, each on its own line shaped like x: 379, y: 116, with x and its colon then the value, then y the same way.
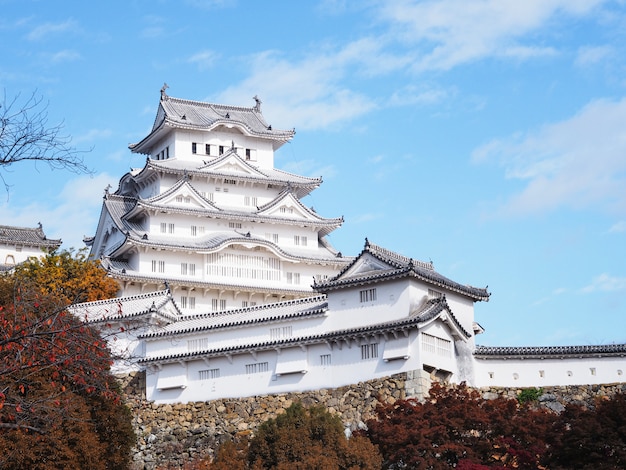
x: 231, y: 163
x: 182, y: 196
x: 366, y: 264
x: 286, y: 205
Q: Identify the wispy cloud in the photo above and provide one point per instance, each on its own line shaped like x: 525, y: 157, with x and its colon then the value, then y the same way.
x: 44, y: 30
x: 605, y: 283
x: 203, y: 60
x: 577, y: 163
x: 449, y: 33
x: 92, y: 135
x: 66, y: 55
x: 618, y: 227
x: 590, y: 56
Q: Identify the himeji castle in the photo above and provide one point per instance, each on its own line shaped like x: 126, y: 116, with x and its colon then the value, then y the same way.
x: 229, y: 286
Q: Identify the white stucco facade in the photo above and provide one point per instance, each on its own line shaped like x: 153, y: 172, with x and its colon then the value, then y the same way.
x: 229, y: 287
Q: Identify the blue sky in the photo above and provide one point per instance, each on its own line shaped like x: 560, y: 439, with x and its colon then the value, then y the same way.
x: 486, y: 136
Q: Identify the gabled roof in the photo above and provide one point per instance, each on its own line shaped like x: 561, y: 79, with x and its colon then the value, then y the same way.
x: 549, y: 352
x: 23, y: 236
x: 302, y: 185
x: 198, y: 115
x: 435, y: 308
x: 291, y: 309
x: 154, y: 304
x: 377, y: 264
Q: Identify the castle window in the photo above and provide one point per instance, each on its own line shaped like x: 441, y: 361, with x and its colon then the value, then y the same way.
x: 218, y: 304
x: 257, y: 367
x: 250, y: 200
x: 194, y: 148
x: 230, y: 182
x: 281, y: 332
x: 368, y: 295
x: 163, y: 227
x: 167, y: 152
x: 293, y: 278
x: 193, y: 230
x: 170, y: 228
x: 158, y: 266
x: 435, y: 345
x: 195, y: 345
x: 207, y: 149
x: 247, y: 154
x: 325, y: 359
x: 209, y: 374
x: 369, y: 351
x: 188, y: 302
x: 10, y: 259
x: 221, y: 149
x: 234, y: 224
x: 272, y: 237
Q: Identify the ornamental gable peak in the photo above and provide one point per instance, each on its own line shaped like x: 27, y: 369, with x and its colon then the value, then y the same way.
x: 232, y: 163
x: 181, y: 196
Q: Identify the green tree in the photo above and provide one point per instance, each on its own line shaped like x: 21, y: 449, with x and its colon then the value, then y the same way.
x: 299, y: 439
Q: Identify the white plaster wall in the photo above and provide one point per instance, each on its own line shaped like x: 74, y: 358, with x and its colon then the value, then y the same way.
x: 549, y: 372
x: 346, y: 368
x: 19, y: 253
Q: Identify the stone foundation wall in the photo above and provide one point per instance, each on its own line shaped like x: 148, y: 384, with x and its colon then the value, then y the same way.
x: 168, y: 436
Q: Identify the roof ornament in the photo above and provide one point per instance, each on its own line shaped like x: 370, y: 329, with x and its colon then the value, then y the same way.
x: 227, y: 115
x: 232, y: 144
x: 163, y: 94
x: 257, y: 106
x: 367, y: 242
x: 106, y: 190
x: 269, y: 128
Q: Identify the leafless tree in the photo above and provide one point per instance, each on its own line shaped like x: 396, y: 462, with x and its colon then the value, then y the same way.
x: 25, y: 135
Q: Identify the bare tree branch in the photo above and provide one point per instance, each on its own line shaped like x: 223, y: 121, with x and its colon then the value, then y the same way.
x: 25, y: 135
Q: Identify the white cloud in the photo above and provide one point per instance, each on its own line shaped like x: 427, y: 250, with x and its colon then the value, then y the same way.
x: 63, y: 217
x: 449, y: 33
x: 590, y: 56
x: 577, y: 163
x: 91, y: 135
x: 605, y: 283
x: 66, y: 55
x: 307, y: 94
x: 204, y: 59
x: 47, y: 29
x: 618, y: 227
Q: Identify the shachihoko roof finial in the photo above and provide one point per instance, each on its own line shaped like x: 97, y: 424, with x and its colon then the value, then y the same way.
x: 257, y: 106
x: 163, y: 88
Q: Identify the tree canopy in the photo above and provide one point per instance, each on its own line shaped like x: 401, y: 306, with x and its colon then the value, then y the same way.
x: 59, y: 404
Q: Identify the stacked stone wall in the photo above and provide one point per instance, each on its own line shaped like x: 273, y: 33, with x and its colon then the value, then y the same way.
x: 168, y: 436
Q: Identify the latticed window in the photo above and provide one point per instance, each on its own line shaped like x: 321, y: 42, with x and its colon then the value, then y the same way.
x: 368, y: 295
x: 369, y: 351
x: 325, y: 359
x: 199, y: 344
x: 435, y: 345
x: 209, y: 374
x: 257, y: 367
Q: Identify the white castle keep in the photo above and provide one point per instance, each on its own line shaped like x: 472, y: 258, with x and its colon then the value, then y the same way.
x: 230, y: 288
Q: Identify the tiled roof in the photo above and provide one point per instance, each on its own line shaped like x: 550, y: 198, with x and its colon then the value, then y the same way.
x: 413, y: 321
x: 297, y: 308
x: 121, y: 308
x: 528, y: 352
x: 270, y: 175
x: 401, y: 267
x: 189, y: 114
x: 26, y: 237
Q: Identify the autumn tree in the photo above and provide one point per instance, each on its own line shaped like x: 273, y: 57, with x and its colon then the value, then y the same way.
x: 593, y: 438
x: 59, y: 404
x: 25, y: 135
x: 456, y: 428
x: 299, y: 439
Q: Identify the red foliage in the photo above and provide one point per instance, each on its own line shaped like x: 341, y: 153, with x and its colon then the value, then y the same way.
x: 456, y: 427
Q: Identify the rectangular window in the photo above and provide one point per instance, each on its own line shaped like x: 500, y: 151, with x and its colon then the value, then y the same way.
x: 221, y: 150
x: 369, y: 351
x: 207, y: 149
x: 234, y: 224
x: 250, y: 201
x: 154, y: 266
x: 230, y: 182
x: 183, y: 302
x: 296, y: 240
x: 195, y: 345
x: 194, y: 147
x: 170, y: 228
x: 209, y: 374
x: 192, y: 269
x: 244, y: 304
x: 325, y: 359
x: 163, y: 227
x: 183, y: 269
x: 293, y: 278
x: 218, y: 304
x: 368, y: 295
x: 247, y: 154
x: 435, y: 345
x: 167, y: 152
x: 303, y: 241
x: 281, y: 332
x: 272, y: 237
x: 194, y: 231
x: 257, y: 367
